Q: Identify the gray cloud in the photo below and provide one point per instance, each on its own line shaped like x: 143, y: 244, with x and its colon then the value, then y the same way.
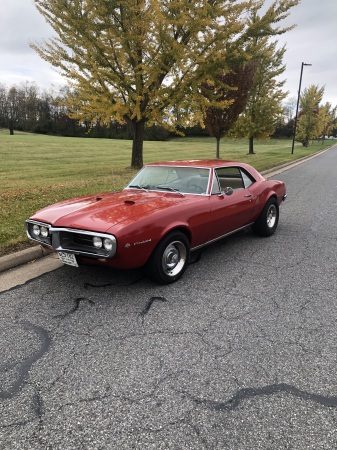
x: 312, y: 41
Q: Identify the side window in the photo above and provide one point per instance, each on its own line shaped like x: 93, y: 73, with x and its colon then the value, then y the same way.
x: 248, y: 180
x: 215, y: 185
x: 230, y: 177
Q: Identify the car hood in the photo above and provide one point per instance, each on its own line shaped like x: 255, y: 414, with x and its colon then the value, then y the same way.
x: 101, y: 212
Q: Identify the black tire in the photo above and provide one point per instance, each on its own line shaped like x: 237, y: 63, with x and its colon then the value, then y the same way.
x: 267, y: 223
x: 170, y: 258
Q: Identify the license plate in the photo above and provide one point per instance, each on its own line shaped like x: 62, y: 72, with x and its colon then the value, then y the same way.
x: 68, y: 258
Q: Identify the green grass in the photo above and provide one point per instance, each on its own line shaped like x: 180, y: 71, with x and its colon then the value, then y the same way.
x: 37, y: 170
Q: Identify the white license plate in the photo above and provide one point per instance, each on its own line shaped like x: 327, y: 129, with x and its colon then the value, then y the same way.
x: 68, y: 258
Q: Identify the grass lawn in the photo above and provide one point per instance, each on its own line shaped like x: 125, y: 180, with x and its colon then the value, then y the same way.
x: 37, y: 170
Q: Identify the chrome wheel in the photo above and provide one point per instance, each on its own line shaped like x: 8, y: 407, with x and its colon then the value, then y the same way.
x: 174, y: 258
x: 271, y: 216
x: 170, y: 258
x: 267, y: 222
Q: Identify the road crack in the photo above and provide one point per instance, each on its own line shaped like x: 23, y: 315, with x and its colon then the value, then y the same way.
x: 75, y: 308
x: 149, y: 304
x: 271, y: 389
x: 25, y: 366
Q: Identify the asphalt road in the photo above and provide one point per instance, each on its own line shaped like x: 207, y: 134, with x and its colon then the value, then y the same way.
x: 239, y: 354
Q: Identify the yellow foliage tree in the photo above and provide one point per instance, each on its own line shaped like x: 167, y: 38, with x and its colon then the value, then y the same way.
x: 264, y: 103
x: 136, y: 60
x: 313, y: 118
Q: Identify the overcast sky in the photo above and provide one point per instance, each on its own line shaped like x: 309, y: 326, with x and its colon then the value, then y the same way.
x: 313, y: 41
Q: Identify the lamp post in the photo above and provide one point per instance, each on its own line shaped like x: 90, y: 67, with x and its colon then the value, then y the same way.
x: 298, y: 102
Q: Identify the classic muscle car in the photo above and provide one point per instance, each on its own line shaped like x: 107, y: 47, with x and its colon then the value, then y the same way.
x: 168, y: 210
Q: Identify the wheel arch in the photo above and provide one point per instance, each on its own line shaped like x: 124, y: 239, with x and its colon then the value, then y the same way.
x: 180, y: 228
x: 169, y: 255
x: 263, y: 226
x: 272, y: 195
x: 183, y: 230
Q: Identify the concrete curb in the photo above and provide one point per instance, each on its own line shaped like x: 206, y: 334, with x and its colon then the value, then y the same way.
x: 30, y: 254
x: 19, y: 258
x: 288, y: 165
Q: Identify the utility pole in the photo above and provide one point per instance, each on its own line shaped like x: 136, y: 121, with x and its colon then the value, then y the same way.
x: 298, y: 102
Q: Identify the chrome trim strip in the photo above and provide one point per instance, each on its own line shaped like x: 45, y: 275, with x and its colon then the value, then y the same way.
x: 78, y: 231
x: 210, y: 171
x: 57, y: 244
x: 41, y: 224
x: 221, y: 237
x: 182, y: 194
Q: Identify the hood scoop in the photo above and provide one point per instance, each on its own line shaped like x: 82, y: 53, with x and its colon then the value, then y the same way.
x: 129, y: 202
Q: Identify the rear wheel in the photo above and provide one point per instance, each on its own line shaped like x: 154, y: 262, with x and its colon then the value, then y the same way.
x: 267, y: 223
x: 169, y: 260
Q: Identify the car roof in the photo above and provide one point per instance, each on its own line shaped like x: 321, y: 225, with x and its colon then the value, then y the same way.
x: 209, y: 164
x: 204, y: 163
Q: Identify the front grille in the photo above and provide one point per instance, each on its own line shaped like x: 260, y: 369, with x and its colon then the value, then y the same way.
x: 79, y: 242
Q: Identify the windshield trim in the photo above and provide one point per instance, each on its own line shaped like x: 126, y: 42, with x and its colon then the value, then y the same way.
x: 173, y: 189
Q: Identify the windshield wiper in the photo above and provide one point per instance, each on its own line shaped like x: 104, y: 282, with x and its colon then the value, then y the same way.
x: 169, y: 188
x: 136, y: 186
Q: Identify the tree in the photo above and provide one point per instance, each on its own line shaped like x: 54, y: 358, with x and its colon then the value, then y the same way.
x: 232, y: 90
x: 289, y: 108
x: 134, y: 60
x: 310, y: 123
x: 15, y: 103
x: 30, y: 99
x: 18, y: 105
x: 327, y: 119
x: 3, y: 107
x: 264, y: 105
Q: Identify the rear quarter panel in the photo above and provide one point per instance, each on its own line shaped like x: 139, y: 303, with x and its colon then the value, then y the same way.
x: 264, y: 190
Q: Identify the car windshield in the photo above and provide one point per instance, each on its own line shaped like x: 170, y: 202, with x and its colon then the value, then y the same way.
x: 186, y: 180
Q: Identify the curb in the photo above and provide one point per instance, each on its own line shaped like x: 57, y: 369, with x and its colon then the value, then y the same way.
x: 289, y: 165
x: 8, y: 262
x: 30, y: 254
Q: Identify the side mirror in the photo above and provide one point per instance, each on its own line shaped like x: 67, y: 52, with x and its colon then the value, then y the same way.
x: 228, y: 191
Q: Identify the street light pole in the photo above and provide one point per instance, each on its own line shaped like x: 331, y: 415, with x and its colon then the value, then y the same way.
x: 298, y: 102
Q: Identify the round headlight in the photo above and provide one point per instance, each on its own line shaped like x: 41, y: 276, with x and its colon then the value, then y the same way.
x: 108, y: 244
x: 36, y: 230
x: 97, y: 241
x: 44, y: 232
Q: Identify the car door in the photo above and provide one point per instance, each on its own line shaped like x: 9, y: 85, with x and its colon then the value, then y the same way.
x: 232, y: 204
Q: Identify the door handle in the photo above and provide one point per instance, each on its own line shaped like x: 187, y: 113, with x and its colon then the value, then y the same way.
x: 248, y: 195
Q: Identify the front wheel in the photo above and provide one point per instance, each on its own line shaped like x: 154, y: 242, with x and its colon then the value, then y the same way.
x: 267, y: 223
x: 169, y: 260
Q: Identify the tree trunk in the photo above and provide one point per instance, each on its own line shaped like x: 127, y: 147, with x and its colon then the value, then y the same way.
x: 217, y: 148
x: 137, y: 144
x: 251, y: 145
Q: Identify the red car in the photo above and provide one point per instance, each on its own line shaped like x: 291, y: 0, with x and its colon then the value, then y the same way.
x: 168, y: 210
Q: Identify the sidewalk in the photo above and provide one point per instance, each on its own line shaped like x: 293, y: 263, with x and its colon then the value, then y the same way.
x: 19, y: 258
